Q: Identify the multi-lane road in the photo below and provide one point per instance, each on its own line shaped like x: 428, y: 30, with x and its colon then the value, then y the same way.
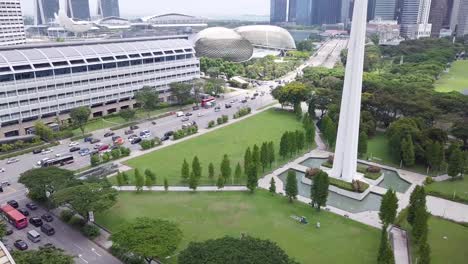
x: 74, y: 243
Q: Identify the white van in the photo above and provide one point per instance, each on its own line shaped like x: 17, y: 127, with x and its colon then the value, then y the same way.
x: 34, y: 236
x: 179, y: 114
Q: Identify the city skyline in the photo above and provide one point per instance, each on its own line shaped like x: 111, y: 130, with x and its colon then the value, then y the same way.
x: 128, y: 7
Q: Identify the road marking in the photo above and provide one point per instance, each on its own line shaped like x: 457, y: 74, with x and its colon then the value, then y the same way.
x: 77, y: 246
x: 83, y: 259
x: 94, y: 250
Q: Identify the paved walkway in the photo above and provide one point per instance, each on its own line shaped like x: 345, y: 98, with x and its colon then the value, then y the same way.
x: 400, y: 246
x: 447, y: 209
x: 183, y: 189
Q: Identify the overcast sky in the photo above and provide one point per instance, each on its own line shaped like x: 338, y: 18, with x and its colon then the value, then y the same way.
x: 208, y: 8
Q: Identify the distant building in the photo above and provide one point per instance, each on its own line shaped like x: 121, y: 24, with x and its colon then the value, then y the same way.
x: 45, y: 11
x: 326, y: 12
x: 278, y: 11
x: 304, y: 12
x: 385, y: 9
x: 173, y: 23
x: 11, y: 21
x: 387, y: 30
x: 292, y: 11
x: 415, y: 19
x: 459, y: 21
x: 108, y: 8
x: 437, y: 16
x: 78, y: 9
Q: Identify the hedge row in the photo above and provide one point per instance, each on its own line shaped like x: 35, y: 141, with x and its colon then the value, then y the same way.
x: 25, y: 151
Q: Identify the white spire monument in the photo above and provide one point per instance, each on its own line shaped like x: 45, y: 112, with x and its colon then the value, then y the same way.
x: 345, y: 161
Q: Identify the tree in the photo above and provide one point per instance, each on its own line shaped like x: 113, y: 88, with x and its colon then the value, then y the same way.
x: 229, y: 250
x: 44, y: 255
x: 46, y: 180
x: 293, y: 93
x: 147, y: 98
x: 181, y: 91
x: 407, y: 151
x: 388, y: 208
x: 256, y: 157
x: 120, y: 180
x: 150, y: 178
x: 291, y: 186
x: 385, y: 255
x: 196, y: 168
x: 95, y: 160
x: 220, y: 182
x: 166, y: 184
x: 300, y: 140
x: 226, y: 170
x: 127, y: 114
x: 185, y: 171
x: 214, y: 87
x: 125, y: 178
x: 424, y: 254
x: 420, y: 227
x: 460, y: 130
x: 292, y: 143
x: 211, y: 171
x: 43, y: 131
x: 456, y: 163
x: 319, y: 189
x: 362, y: 145
x: 139, y: 180
x: 161, y: 238
x: 434, y: 154
x: 252, y: 177
x: 247, y: 159
x: 193, y: 181
x: 284, y: 145
x: 271, y: 153
x: 264, y: 155
x: 329, y: 130
x: 3, y: 229
x: 272, y: 188
x: 87, y: 197
x: 238, y: 172
x: 79, y: 117
x: 417, y: 200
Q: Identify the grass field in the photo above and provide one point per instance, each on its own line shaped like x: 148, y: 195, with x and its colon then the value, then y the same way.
x: 451, y: 188
x: 377, y: 149
x: 455, y: 80
x: 203, y: 216
x: 232, y: 140
x: 451, y: 250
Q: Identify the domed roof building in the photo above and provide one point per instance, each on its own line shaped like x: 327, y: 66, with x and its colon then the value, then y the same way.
x: 224, y: 43
x: 266, y: 36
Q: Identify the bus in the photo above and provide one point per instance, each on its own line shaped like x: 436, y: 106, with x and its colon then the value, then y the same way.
x: 208, y: 102
x: 14, y: 217
x: 60, y: 161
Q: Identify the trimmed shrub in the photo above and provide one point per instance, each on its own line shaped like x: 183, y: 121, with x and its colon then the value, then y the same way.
x: 310, y: 173
x: 374, y: 169
x: 90, y: 231
x: 242, y: 112
x: 77, y: 222
x: 211, y: 124
x: 225, y: 119
x: 359, y: 186
x: 428, y: 180
x: 219, y: 121
x: 66, y: 215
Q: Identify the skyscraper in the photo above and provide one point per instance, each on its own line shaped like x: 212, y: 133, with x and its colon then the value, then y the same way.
x: 385, y: 9
x: 78, y: 9
x: 45, y: 10
x: 304, y: 12
x: 278, y: 10
x: 11, y: 16
x: 326, y: 12
x: 437, y: 16
x: 415, y: 19
x: 292, y: 10
x: 108, y: 8
x: 459, y: 21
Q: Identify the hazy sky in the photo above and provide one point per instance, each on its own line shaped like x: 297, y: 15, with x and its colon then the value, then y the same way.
x: 209, y: 8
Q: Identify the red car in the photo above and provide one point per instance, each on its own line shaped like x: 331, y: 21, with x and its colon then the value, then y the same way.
x: 103, y: 148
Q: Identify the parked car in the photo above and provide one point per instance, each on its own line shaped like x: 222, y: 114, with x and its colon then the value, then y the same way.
x: 103, y: 148
x: 13, y: 203
x: 47, y: 217
x: 21, y: 245
x: 88, y: 139
x: 9, y: 232
x: 23, y: 211
x: 73, y: 144
x: 37, y: 151
x: 244, y: 101
x: 31, y: 206
x: 114, y: 138
x: 228, y: 106
x: 179, y: 114
x: 109, y: 134
x: 129, y: 132
x: 98, y: 145
x: 84, y: 152
x: 195, y: 108
x: 12, y: 160
x: 169, y: 133
x: 94, y: 141
x: 134, y: 127
x: 200, y: 114
x: 165, y: 138
x: 185, y: 119
x: 145, y: 136
x: 35, y: 221
x: 75, y: 149
x: 132, y: 137
x: 46, y: 151
x: 217, y: 109
x: 136, y: 140
x: 47, y: 229
x: 145, y: 132
x: 188, y: 114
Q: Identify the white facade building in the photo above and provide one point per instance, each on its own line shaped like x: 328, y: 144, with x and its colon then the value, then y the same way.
x: 44, y: 82
x: 387, y: 30
x: 11, y: 23
x: 415, y: 19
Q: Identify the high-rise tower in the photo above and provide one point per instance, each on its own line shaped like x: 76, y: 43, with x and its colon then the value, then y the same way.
x: 108, y: 8
x: 12, y: 33
x: 78, y: 9
x: 45, y: 11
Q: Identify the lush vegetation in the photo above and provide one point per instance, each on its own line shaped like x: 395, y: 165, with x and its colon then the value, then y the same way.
x: 456, y: 190
x: 203, y: 216
x: 234, y: 139
x: 43, y: 255
x: 455, y: 80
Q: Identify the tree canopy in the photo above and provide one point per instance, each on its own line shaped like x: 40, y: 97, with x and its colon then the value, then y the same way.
x: 44, y: 255
x: 79, y: 117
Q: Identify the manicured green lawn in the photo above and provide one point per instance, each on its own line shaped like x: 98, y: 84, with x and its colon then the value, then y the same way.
x: 451, y: 188
x: 451, y: 250
x: 456, y: 79
x: 232, y: 140
x: 377, y: 149
x: 203, y: 216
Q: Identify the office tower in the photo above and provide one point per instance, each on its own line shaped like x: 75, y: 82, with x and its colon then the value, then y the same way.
x: 385, y: 9
x: 108, y: 8
x: 415, y: 19
x: 345, y: 7
x: 45, y: 10
x: 304, y: 12
x: 45, y: 81
x: 11, y: 21
x: 292, y: 10
x: 371, y: 10
x: 78, y: 9
x: 278, y: 10
x: 437, y: 15
x: 459, y: 20
x: 326, y: 12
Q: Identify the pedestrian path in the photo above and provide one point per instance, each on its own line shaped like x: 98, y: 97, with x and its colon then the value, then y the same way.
x: 400, y: 245
x: 447, y: 209
x: 183, y: 189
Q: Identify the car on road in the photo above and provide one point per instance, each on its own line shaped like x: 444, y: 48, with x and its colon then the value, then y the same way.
x: 109, y: 134
x: 75, y: 149
x: 200, y: 114
x: 136, y: 141
x: 103, y: 148
x: 217, y: 109
x: 134, y: 127
x: 20, y: 244
x: 179, y: 114
x: 253, y: 98
x: 169, y: 133
x: 145, y: 132
x: 36, y: 151
x: 47, y: 217
x: 244, y: 101
x: 94, y: 140
x: 2, y: 169
x: 228, y: 106
x: 132, y: 137
x: 23, y: 211
x: 13, y: 203
x: 129, y: 132
x: 47, y: 151
x: 188, y: 114
x: 88, y: 139
x: 84, y: 152
x: 47, y: 229
x: 31, y: 206
x: 73, y: 144
x: 185, y: 119
x: 9, y: 232
x: 118, y: 141
x: 195, y: 108
x: 165, y: 138
x: 12, y: 160
x: 35, y: 221
x: 145, y: 136
x: 98, y: 145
